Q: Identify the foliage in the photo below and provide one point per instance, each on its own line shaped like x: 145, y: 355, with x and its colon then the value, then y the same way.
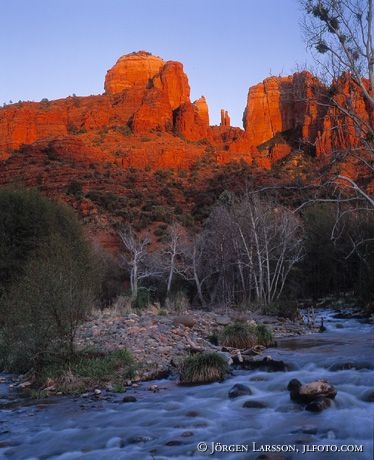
x: 203, y: 368
x: 142, y: 299
x: 285, y: 308
x: 48, y: 282
x: 321, y: 269
x: 339, y: 251
x: 74, y: 188
x: 27, y: 219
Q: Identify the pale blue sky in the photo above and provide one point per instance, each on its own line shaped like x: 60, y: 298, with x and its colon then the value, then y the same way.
x: 54, y: 48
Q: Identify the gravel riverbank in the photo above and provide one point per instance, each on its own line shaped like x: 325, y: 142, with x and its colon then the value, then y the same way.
x: 157, y: 339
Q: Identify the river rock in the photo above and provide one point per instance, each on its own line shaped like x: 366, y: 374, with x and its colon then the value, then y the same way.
x: 266, y: 364
x: 319, y: 404
x: 128, y: 399
x: 368, y: 396
x: 254, y: 404
x: 239, y: 390
x: 310, y: 391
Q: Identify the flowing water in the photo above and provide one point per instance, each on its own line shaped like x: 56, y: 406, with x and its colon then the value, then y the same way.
x: 170, y: 423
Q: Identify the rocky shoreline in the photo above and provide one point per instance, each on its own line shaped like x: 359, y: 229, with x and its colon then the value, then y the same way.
x: 158, y: 340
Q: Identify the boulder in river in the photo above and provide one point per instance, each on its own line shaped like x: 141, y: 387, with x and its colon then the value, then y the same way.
x: 314, y: 392
x: 127, y: 399
x: 319, y: 404
x: 266, y: 364
x: 368, y: 396
x: 254, y: 404
x: 239, y: 390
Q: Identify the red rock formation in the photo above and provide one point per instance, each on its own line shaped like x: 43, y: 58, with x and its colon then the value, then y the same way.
x: 192, y: 120
x: 174, y: 82
x: 339, y: 132
x: 225, y: 119
x: 135, y: 69
x: 280, y: 104
x: 154, y: 113
x: 146, y: 117
x: 202, y: 110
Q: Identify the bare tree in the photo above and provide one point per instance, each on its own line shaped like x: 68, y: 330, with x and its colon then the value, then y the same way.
x: 172, y: 255
x: 137, y: 260
x: 271, y: 237
x: 192, y: 264
x: 248, y: 249
x: 339, y: 34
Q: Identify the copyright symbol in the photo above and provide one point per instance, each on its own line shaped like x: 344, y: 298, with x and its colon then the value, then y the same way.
x: 202, y: 447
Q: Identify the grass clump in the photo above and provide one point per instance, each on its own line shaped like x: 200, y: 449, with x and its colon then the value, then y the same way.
x: 265, y: 336
x: 241, y: 335
x: 89, y: 369
x: 203, y: 368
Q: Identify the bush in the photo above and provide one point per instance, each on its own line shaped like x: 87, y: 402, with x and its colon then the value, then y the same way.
x: 48, y: 280
x: 27, y: 220
x: 143, y: 298
x: 203, y: 368
x: 74, y: 188
x: 283, y: 308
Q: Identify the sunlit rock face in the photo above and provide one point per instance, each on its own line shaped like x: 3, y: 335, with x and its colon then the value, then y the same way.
x: 132, y: 70
x: 148, y: 98
x: 280, y: 104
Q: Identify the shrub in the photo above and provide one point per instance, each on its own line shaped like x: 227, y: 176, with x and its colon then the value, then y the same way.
x: 74, y: 188
x: 27, y: 219
x: 43, y: 309
x: 143, y: 298
x: 203, y: 368
x: 283, y: 308
x: 48, y: 279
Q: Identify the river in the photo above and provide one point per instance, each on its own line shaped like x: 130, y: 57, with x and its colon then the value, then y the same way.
x: 171, y: 422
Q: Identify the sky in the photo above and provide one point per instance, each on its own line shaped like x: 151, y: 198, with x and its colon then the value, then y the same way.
x: 55, y: 48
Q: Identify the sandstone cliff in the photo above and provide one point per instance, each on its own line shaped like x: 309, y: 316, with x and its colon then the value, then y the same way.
x: 145, y: 116
x: 284, y: 110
